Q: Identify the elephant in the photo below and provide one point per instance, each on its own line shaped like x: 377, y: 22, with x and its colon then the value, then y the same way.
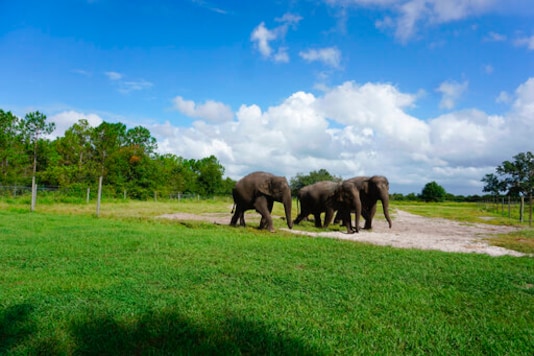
x: 317, y: 198
x: 259, y: 190
x: 360, y: 194
x: 263, y: 222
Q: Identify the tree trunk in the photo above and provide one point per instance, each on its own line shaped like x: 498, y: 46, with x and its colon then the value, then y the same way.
x: 99, y: 196
x: 530, y: 210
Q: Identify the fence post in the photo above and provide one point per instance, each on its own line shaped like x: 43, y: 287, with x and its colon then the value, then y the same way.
x: 99, y: 196
x: 522, y: 209
x: 530, y: 210
x: 34, y: 194
x: 88, y: 196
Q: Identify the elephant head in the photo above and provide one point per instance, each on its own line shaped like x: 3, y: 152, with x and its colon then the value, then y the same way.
x: 360, y: 194
x: 377, y: 188
x: 278, y: 189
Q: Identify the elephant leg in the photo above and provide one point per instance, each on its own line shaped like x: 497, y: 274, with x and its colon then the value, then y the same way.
x: 262, y: 206
x: 264, y: 222
x: 302, y: 216
x: 317, y: 218
x: 337, y: 218
x: 242, y: 219
x: 238, y: 214
x: 358, y: 213
x: 299, y: 218
x: 344, y: 215
x: 369, y: 218
x: 329, y: 213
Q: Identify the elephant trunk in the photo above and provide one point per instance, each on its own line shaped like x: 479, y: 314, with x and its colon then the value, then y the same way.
x: 385, y: 205
x: 287, y: 207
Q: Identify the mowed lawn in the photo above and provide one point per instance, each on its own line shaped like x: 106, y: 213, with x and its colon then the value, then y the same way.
x: 71, y: 283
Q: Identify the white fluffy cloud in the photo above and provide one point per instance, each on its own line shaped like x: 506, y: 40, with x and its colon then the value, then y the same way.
x: 65, y: 119
x: 356, y: 129
x: 263, y: 38
x: 331, y: 56
x: 350, y: 130
x: 212, y: 111
x: 451, y: 91
x: 409, y: 15
x: 127, y: 86
x: 527, y: 42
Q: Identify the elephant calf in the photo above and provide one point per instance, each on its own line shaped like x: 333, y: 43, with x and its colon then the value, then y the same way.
x: 317, y: 198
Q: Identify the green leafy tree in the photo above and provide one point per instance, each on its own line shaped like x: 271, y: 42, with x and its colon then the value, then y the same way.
x: 76, y: 163
x: 493, y: 185
x: 107, y: 139
x: 169, y: 168
x: 209, y: 176
x: 301, y: 180
x: 518, y: 178
x: 433, y: 192
x: 518, y: 175
x: 141, y: 138
x: 11, y: 150
x: 33, y: 128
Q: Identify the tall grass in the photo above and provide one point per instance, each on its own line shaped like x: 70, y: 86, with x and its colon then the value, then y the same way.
x: 74, y: 284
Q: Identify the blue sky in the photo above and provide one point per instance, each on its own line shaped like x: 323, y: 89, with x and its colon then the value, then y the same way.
x: 417, y: 90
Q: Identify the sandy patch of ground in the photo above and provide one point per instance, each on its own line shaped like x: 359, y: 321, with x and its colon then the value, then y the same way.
x: 408, y: 231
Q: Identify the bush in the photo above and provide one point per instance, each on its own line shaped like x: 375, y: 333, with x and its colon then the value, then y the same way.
x: 433, y: 192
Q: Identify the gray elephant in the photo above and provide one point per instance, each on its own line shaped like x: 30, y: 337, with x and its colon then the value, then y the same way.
x: 259, y: 190
x: 317, y: 198
x: 360, y: 195
x: 241, y: 218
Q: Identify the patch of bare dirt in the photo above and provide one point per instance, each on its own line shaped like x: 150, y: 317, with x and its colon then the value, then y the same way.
x: 408, y: 231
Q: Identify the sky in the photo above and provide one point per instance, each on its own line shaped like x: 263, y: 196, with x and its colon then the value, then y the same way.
x: 416, y: 90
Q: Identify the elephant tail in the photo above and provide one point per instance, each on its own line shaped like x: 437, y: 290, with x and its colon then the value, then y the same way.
x: 233, y: 208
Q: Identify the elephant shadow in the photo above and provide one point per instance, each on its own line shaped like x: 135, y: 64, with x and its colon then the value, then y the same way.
x: 16, y: 326
x: 158, y: 332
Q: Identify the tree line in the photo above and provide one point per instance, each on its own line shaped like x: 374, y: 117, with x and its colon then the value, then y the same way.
x: 125, y: 158
x: 128, y: 162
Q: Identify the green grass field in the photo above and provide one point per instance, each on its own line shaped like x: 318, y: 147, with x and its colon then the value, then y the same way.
x: 126, y: 283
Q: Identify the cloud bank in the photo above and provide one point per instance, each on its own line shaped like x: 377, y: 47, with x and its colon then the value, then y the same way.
x: 355, y: 129
x: 352, y: 129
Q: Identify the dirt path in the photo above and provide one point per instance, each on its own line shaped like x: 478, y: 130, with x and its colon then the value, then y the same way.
x: 409, y: 231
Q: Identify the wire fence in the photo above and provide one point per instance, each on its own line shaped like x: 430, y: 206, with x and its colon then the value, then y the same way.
x: 86, y: 193
x: 513, y: 208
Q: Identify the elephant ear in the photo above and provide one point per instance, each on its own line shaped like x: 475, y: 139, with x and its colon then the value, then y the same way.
x: 265, y: 187
x: 337, y: 195
x: 334, y: 193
